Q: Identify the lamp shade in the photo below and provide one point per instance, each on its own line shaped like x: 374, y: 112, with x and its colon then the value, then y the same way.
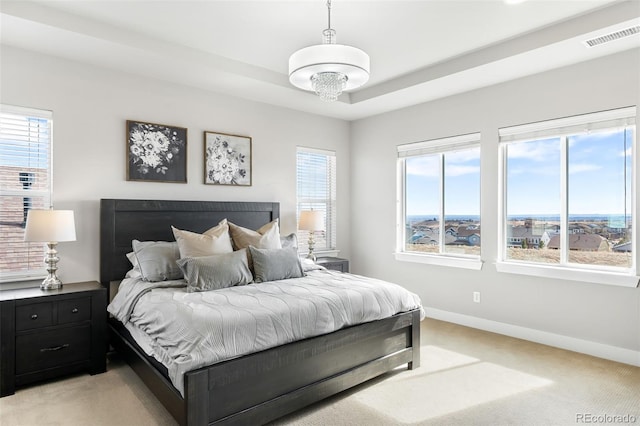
x: 311, y: 220
x: 50, y: 226
x: 347, y: 60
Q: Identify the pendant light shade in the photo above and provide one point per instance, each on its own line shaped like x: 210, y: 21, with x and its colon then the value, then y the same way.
x: 329, y: 68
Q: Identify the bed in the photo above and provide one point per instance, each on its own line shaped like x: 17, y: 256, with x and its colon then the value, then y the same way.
x: 258, y: 387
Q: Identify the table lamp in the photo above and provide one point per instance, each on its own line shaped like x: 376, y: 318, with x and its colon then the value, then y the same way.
x: 312, y: 221
x: 51, y: 227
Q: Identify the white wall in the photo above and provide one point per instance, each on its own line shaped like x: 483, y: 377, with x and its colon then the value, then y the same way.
x: 90, y: 106
x: 599, y: 314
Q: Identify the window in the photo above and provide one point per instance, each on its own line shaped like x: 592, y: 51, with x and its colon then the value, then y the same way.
x: 568, y: 193
x: 316, y: 190
x: 440, y: 199
x: 25, y: 183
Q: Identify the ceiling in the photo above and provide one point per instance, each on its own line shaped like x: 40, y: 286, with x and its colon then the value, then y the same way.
x: 420, y: 50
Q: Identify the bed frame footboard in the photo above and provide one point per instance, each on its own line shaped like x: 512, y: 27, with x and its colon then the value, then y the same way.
x: 257, y: 388
x: 261, y: 387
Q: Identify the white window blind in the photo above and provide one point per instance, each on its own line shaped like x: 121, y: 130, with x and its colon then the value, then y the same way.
x: 25, y: 183
x: 316, y: 190
x: 612, y: 119
x: 437, y: 146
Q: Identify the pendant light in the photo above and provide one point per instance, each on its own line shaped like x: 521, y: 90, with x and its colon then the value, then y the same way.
x: 329, y: 68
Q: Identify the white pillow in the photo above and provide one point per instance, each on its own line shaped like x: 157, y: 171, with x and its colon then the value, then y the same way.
x: 213, y: 241
x: 266, y: 237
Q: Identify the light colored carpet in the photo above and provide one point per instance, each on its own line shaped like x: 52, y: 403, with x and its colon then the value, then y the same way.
x: 467, y: 377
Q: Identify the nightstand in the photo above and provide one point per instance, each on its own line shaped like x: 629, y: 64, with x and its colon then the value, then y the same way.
x: 334, y: 263
x: 47, y: 334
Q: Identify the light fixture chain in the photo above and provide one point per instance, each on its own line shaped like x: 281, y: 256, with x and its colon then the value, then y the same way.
x: 329, y: 13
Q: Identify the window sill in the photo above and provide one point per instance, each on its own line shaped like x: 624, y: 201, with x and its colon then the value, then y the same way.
x: 567, y: 273
x: 440, y: 260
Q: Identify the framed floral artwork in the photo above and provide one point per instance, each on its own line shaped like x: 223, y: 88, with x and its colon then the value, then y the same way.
x: 156, y: 152
x: 227, y: 159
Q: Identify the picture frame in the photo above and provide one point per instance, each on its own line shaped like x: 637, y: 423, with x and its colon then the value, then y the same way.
x: 156, y: 152
x: 227, y: 159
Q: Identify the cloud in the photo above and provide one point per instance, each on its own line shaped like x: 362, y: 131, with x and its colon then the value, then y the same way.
x: 626, y: 153
x: 537, y: 170
x: 463, y: 156
x: 584, y: 167
x: 458, y: 170
x: 544, y: 150
x: 427, y: 166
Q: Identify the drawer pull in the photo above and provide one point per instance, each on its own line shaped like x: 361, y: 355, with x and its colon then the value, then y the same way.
x: 55, y: 348
x: 34, y: 316
x: 74, y: 311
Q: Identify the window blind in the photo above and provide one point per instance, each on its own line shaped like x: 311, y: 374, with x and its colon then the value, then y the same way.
x: 618, y: 118
x: 316, y: 190
x: 25, y: 183
x: 437, y: 146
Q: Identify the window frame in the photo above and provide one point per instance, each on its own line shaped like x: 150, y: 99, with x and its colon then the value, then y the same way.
x: 45, y: 193
x: 431, y: 147
x: 563, y: 128
x: 330, y: 248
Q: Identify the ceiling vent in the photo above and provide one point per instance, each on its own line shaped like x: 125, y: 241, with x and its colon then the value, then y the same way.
x: 616, y: 35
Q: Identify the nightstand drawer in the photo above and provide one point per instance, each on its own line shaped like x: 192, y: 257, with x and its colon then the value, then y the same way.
x: 34, y: 315
x: 37, y: 351
x: 74, y: 310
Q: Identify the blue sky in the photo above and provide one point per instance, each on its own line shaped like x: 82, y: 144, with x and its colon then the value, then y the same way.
x: 462, y: 184
x: 596, y: 175
x: 596, y: 178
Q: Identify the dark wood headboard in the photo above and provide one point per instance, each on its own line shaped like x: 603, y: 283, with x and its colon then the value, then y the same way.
x: 122, y: 221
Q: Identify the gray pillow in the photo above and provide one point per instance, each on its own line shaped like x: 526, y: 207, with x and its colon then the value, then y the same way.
x: 275, y: 264
x: 157, y: 260
x: 216, y: 271
x: 290, y: 240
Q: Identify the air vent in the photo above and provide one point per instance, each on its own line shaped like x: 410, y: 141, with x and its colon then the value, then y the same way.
x: 616, y: 35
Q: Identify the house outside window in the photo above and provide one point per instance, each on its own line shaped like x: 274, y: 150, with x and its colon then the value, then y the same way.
x: 567, y: 197
x: 316, y: 190
x: 25, y: 183
x: 439, y: 201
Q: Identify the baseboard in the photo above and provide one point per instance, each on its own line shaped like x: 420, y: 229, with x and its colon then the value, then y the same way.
x: 613, y: 353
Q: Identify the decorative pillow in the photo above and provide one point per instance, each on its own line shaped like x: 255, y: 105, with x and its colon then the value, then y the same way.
x: 267, y: 237
x: 135, y: 271
x: 157, y: 260
x: 275, y: 264
x: 213, y: 241
x: 290, y: 240
x: 217, y: 271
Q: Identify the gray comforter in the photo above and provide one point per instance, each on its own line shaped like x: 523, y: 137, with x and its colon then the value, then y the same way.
x: 185, y: 331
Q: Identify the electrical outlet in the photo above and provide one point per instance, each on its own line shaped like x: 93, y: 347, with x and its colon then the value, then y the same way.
x: 476, y: 296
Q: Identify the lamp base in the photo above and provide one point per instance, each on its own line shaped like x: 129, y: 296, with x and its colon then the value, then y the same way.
x: 52, y: 282
x: 312, y: 244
